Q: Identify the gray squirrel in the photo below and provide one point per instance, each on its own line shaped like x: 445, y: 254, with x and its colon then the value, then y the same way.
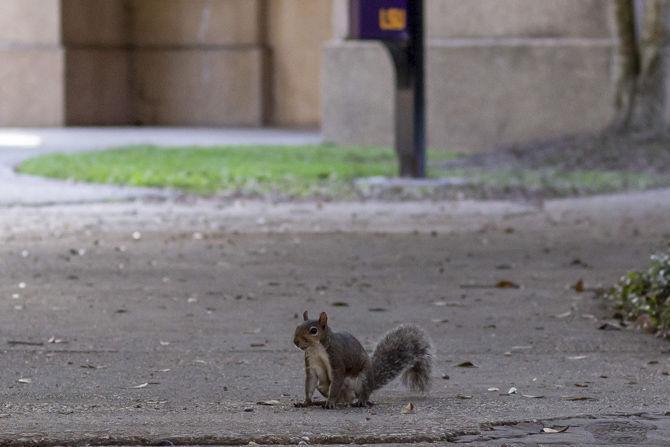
x: 337, y: 365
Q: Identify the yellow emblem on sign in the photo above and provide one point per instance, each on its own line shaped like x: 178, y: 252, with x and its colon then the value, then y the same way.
x: 392, y: 19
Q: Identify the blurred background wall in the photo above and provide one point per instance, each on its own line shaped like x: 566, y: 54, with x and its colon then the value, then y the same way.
x: 162, y: 62
x: 499, y: 71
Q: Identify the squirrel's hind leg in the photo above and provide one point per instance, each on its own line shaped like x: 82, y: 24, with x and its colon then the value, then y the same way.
x: 363, y: 391
x: 323, y: 389
x: 348, y: 392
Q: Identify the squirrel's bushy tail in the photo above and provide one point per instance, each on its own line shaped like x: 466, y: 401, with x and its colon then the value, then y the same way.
x: 407, y: 350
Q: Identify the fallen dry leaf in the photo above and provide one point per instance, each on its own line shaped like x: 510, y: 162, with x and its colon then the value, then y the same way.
x: 270, y: 403
x: 410, y: 408
x: 579, y: 286
x: 24, y: 343
x: 577, y: 398
x: 507, y: 284
x: 90, y: 366
x: 512, y: 390
x: 467, y: 364
x: 607, y: 326
x: 579, y: 262
x: 563, y: 315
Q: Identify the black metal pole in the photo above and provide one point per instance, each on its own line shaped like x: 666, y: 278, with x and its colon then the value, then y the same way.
x: 416, y: 61
x: 410, y: 103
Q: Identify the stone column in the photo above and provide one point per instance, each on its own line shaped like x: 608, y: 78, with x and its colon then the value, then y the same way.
x: 357, y: 88
x: 97, y: 62
x: 161, y: 62
x: 197, y: 62
x: 295, y: 32
x: 31, y: 64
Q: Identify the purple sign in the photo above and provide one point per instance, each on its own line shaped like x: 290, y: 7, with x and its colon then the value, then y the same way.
x: 379, y: 19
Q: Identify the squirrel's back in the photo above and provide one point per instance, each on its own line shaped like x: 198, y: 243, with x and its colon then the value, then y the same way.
x: 349, y: 351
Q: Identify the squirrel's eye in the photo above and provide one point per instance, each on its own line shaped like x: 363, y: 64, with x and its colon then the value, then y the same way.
x: 313, y: 330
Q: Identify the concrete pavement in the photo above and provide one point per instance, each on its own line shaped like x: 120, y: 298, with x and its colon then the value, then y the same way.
x: 160, y: 322
x: 135, y: 323
x: 17, y: 145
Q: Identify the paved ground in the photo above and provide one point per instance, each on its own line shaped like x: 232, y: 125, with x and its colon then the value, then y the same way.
x: 19, y: 144
x: 143, y: 323
x: 157, y: 322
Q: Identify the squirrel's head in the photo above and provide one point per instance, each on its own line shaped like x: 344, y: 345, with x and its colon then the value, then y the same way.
x: 310, y: 332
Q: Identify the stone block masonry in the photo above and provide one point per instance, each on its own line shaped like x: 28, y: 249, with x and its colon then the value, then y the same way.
x: 161, y: 62
x: 497, y: 73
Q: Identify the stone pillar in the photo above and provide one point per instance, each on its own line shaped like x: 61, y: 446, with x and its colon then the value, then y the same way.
x: 197, y: 62
x: 161, y: 62
x: 31, y: 64
x: 498, y: 72
x: 97, y: 62
x: 357, y: 85
x: 295, y: 32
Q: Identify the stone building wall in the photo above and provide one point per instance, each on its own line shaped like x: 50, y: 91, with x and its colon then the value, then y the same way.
x: 31, y: 63
x: 161, y: 62
x: 498, y: 72
x: 96, y: 44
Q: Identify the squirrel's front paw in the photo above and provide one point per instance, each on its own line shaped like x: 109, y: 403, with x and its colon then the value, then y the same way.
x: 329, y: 405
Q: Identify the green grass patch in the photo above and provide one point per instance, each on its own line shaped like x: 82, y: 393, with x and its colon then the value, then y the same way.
x: 291, y: 170
x: 307, y: 171
x: 643, y: 297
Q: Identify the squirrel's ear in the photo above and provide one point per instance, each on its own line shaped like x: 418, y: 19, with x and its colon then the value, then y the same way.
x: 304, y: 316
x: 323, y: 319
